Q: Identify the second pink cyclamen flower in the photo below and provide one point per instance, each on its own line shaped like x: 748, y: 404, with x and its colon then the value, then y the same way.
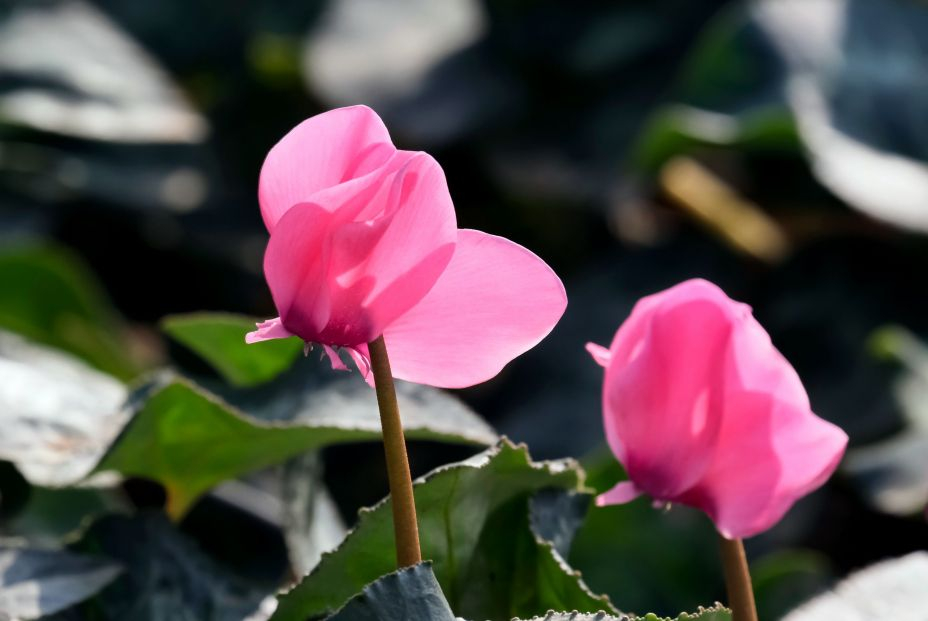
x: 702, y: 410
x: 364, y: 242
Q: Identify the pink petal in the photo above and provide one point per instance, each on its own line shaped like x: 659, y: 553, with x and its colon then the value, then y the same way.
x: 267, y: 330
x: 600, y: 354
x: 334, y: 359
x: 494, y: 301
x: 340, y: 272
x: 393, y: 261
x: 362, y: 360
x: 326, y: 150
x: 623, y: 492
x: 755, y: 364
x: 769, y: 454
x: 663, y: 405
x: 632, y: 335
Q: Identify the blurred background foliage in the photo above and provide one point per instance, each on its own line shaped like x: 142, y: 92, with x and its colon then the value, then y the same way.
x: 776, y: 147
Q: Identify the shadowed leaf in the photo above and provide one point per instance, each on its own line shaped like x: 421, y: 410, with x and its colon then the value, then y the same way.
x: 34, y: 583
x: 410, y: 594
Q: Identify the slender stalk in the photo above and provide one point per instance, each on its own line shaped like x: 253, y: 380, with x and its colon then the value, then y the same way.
x: 405, y: 528
x: 737, y: 580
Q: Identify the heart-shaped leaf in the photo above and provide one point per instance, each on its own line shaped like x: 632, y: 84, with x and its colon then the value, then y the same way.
x: 34, y: 582
x: 413, y: 593
x: 189, y: 439
x: 474, y: 526
x: 64, y: 421
x: 219, y: 338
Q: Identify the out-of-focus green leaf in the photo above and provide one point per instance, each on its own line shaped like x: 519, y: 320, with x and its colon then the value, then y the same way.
x: 681, y: 128
x: 786, y: 578
x: 58, y: 415
x: 841, y: 79
x: 49, y: 516
x: 166, y: 576
x: 189, y: 439
x: 474, y: 527
x: 410, y: 594
x: 892, y: 474
x: 728, y: 94
x: 48, y: 296
x: 675, y: 552
x: 858, y: 91
x: 364, y: 29
x: 60, y: 418
x: 68, y: 69
x: 219, y: 338
x: 311, y: 393
x: 892, y: 589
x: 63, y: 421
x: 34, y: 582
x: 311, y: 522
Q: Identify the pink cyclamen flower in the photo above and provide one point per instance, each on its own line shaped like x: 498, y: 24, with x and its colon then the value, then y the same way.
x: 702, y: 410
x: 364, y: 242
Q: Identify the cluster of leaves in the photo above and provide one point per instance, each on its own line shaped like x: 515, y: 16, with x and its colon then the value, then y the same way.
x: 497, y: 527
x: 499, y: 530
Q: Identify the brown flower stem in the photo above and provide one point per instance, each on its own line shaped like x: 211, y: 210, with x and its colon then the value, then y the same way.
x: 405, y: 528
x: 737, y: 580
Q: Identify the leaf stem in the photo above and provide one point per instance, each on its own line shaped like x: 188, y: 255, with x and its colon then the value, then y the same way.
x: 737, y: 580
x: 405, y: 528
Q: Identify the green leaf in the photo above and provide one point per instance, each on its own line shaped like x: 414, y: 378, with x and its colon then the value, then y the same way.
x: 57, y: 414
x: 410, y: 594
x: 413, y: 594
x: 474, y: 526
x: 311, y: 393
x: 50, y: 516
x: 869, y: 154
x: 64, y: 421
x: 189, y: 439
x: 47, y: 295
x: 682, y: 129
x: 34, y: 583
x: 727, y: 96
x: 785, y: 578
x: 642, y: 557
x: 715, y: 613
x: 577, y: 616
x: 166, y: 576
x: 219, y: 338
